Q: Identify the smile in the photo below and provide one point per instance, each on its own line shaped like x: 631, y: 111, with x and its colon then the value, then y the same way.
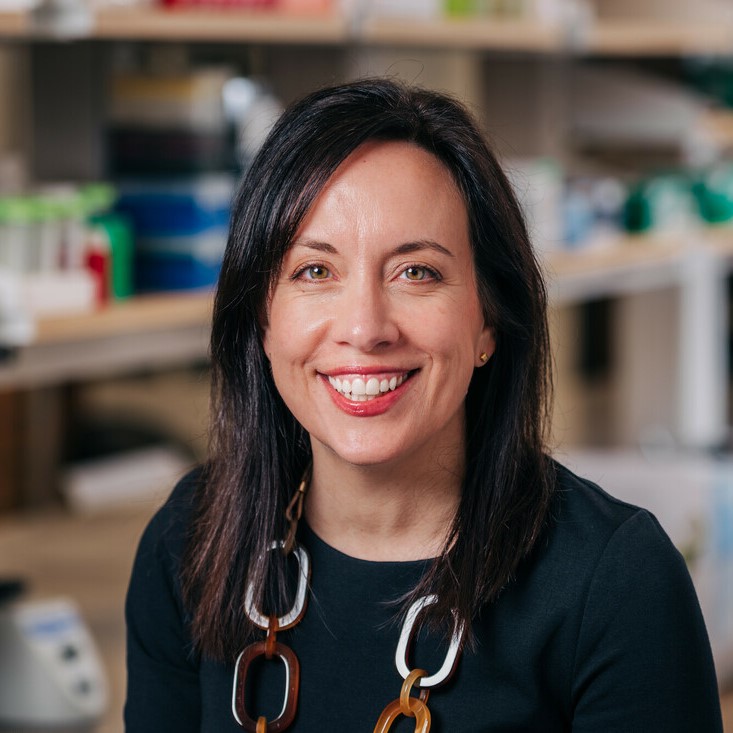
x: 364, y: 389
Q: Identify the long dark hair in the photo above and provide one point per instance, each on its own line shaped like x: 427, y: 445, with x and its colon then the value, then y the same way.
x: 259, y: 451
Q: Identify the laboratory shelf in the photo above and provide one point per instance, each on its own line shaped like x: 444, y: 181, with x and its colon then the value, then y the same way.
x: 601, y: 37
x: 134, y: 315
x: 634, y: 263
x: 14, y: 24
x: 219, y: 25
x: 630, y: 264
x: 470, y: 33
x: 655, y: 38
x: 146, y: 332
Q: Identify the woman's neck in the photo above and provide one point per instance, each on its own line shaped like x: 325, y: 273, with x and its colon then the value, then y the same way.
x: 384, y: 512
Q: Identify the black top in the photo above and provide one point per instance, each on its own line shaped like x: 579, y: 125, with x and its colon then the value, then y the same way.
x: 600, y: 632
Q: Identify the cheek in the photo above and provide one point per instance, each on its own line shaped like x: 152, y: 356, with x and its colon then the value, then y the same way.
x: 293, y: 333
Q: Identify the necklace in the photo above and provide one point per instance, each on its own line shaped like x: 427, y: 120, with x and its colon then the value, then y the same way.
x: 406, y: 704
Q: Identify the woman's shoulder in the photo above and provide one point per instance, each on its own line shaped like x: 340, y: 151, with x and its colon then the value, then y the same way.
x: 169, y: 526
x: 589, y: 530
x: 584, y: 512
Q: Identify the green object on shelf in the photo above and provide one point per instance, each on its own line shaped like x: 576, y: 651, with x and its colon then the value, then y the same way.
x: 460, y: 7
x: 663, y: 202
x: 15, y: 210
x: 122, y: 250
x: 97, y: 198
x: 637, y: 211
x: 714, y: 194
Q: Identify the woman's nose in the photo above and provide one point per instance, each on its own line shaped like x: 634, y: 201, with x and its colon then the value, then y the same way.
x: 365, y: 318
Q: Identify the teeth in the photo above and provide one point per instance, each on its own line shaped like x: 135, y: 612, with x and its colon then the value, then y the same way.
x: 360, y: 391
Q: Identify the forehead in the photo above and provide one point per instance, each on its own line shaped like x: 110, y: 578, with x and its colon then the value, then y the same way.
x: 395, y: 163
x: 396, y: 188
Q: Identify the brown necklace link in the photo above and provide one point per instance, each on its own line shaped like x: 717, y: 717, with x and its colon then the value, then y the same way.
x: 410, y: 707
x: 269, y: 648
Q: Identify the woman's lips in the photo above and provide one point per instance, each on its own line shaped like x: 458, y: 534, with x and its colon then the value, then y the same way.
x: 365, y: 387
x: 367, y: 394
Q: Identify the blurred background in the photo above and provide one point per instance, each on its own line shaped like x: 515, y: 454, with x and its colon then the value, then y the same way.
x: 123, y: 128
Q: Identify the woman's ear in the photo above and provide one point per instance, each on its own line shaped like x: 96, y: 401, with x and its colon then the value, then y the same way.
x: 487, y: 346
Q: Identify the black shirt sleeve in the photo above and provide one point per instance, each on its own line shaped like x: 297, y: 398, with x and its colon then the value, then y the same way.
x: 162, y: 672
x: 643, y: 660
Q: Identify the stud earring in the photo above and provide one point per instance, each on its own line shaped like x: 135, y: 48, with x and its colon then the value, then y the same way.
x: 483, y: 357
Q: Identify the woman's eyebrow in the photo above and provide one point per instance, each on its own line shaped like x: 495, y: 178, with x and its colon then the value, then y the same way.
x: 419, y: 245
x: 401, y: 249
x: 316, y: 245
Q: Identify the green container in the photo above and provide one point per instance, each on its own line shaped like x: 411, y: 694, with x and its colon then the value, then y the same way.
x: 121, y: 244
x: 714, y: 193
x: 660, y: 203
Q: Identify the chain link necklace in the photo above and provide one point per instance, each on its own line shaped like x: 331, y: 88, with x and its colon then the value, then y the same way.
x: 406, y: 704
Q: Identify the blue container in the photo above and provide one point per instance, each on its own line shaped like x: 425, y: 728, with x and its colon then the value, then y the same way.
x: 178, y: 207
x: 179, y: 262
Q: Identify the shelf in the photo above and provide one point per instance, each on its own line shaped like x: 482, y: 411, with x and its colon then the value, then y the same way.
x: 635, y: 263
x: 720, y: 240
x: 647, y: 38
x: 142, y: 333
x: 142, y: 313
x: 153, y: 23
x: 479, y: 34
x: 15, y: 24
x: 716, y: 125
x: 642, y: 38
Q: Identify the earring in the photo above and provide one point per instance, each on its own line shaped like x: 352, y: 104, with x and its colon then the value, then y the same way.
x: 483, y: 357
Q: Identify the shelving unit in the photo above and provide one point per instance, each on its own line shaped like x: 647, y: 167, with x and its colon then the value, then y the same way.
x: 470, y: 34
x: 660, y: 37
x: 142, y: 313
x: 602, y: 37
x: 485, y: 50
x: 218, y: 25
x: 151, y: 332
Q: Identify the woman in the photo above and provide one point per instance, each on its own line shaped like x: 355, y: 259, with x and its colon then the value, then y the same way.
x: 380, y: 367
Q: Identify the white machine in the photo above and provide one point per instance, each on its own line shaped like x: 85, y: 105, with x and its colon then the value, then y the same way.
x: 50, y: 671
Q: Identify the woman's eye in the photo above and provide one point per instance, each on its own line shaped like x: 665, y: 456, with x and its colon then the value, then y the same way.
x: 315, y: 272
x: 416, y: 273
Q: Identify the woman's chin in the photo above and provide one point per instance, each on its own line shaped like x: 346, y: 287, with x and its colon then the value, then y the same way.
x: 363, y: 456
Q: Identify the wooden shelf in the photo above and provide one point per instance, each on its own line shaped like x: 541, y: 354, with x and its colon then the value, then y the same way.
x: 136, y: 315
x: 480, y: 34
x: 634, y: 263
x: 142, y: 333
x: 219, y: 25
x: 14, y: 24
x: 195, y: 24
x: 716, y: 125
x: 720, y: 240
x: 642, y: 38
x: 656, y: 38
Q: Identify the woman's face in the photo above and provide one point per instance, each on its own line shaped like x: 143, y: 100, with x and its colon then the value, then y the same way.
x: 374, y: 324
